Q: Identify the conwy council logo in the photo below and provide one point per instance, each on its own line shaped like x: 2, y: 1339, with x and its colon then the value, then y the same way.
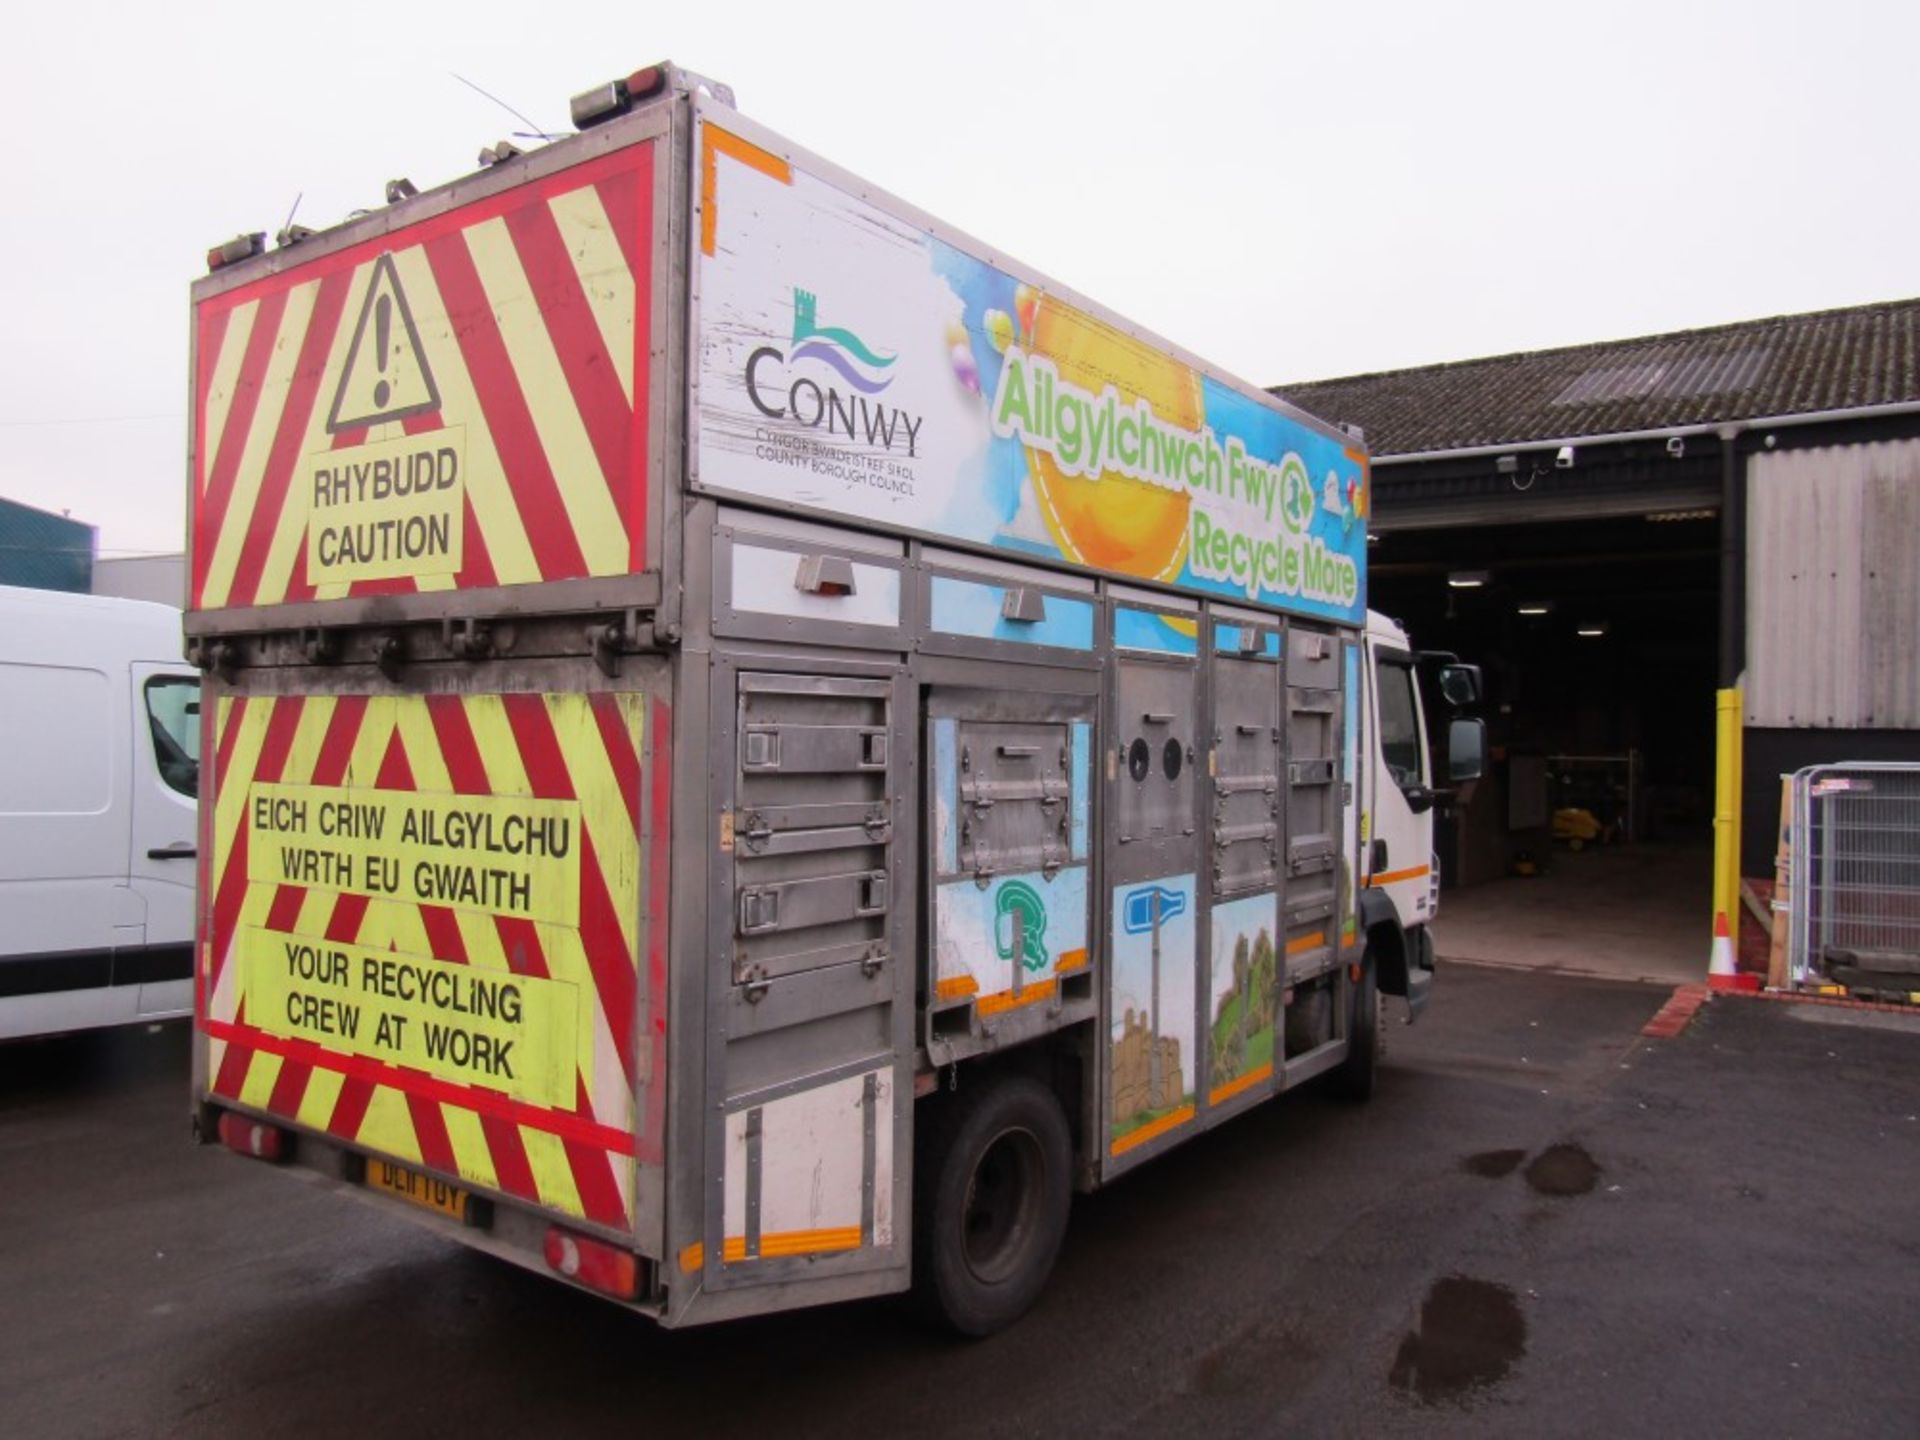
x: 857, y: 363
x: 783, y: 386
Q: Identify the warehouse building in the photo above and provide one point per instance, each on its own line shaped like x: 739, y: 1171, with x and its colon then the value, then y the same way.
x: 1688, y: 563
x: 44, y: 551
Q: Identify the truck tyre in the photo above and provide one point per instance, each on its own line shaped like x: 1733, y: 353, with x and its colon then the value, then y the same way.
x: 1354, y: 1078
x: 992, y: 1186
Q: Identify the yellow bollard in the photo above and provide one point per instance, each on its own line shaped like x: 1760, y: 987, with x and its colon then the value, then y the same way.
x: 1726, y: 806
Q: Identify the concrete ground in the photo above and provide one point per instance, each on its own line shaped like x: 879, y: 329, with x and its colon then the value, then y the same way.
x: 1543, y: 1225
x: 1625, y: 912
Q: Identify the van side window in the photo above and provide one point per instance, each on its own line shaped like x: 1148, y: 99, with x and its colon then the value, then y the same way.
x: 173, y: 712
x: 1399, y: 722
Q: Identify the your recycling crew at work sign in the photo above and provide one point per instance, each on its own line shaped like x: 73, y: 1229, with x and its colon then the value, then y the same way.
x: 852, y: 363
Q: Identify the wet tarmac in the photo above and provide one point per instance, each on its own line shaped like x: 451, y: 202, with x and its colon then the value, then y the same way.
x: 1544, y: 1224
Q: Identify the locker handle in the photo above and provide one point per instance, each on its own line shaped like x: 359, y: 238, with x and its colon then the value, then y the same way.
x: 1158, y: 717
x: 1246, y: 729
x: 873, y: 893
x: 759, y: 911
x: 1019, y: 752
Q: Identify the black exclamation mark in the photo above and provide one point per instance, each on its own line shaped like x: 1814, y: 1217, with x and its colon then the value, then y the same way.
x: 382, y: 329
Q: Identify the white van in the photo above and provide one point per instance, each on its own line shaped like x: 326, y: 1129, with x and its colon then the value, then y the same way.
x: 99, y: 768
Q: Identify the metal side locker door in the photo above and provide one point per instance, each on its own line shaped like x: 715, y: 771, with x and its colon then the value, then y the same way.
x: 1241, y: 995
x: 810, y: 993
x: 1154, y: 891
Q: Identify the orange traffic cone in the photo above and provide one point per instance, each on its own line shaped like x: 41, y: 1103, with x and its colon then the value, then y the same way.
x: 1722, y: 974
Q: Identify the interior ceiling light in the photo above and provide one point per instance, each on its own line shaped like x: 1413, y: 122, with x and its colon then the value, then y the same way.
x: 1467, y: 579
x: 1591, y: 632
x: 1535, y: 607
x: 1661, y: 516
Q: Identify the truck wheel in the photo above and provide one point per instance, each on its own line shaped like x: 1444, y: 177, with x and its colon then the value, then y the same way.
x: 1354, y: 1078
x: 991, y: 1190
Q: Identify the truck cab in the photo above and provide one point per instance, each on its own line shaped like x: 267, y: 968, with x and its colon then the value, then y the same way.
x: 1401, y: 783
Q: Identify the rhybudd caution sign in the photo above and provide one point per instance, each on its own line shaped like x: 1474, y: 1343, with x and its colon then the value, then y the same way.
x: 391, y: 507
x: 387, y: 376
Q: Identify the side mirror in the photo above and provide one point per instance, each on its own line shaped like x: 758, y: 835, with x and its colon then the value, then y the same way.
x: 1466, y: 747
x: 1460, y: 686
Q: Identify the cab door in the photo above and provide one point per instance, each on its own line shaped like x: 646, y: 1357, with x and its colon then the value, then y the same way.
x: 161, y: 856
x: 1397, y: 856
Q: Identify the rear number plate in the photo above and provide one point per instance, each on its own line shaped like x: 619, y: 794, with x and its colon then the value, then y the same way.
x: 422, y: 1190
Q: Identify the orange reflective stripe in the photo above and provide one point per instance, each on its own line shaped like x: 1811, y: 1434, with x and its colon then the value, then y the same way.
x: 715, y: 142
x: 1394, y: 877
x: 1220, y: 1094
x: 773, y: 1245
x: 1152, y: 1130
x: 1014, y: 999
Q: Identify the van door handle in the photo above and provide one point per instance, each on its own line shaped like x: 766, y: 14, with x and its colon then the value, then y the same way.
x: 179, y: 850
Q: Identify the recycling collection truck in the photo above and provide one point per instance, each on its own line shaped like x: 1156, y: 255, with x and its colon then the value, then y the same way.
x: 751, y: 745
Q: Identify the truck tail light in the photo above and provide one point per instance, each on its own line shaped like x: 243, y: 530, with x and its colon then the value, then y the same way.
x: 616, y: 97
x: 255, y: 1138
x: 594, y: 1263
x: 241, y: 247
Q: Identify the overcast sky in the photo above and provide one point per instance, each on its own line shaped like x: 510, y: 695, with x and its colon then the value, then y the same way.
x: 1294, y: 191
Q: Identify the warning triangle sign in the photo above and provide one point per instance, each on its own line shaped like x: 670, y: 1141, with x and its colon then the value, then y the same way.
x: 387, y: 376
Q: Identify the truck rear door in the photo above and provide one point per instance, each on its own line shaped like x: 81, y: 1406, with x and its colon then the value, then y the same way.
x: 422, y: 931
x: 426, y: 523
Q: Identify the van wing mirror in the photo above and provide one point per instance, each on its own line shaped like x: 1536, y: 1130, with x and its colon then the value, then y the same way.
x: 1466, y: 749
x: 1460, y: 685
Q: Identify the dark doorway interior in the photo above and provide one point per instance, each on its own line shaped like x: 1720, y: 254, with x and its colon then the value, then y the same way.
x: 1644, y: 684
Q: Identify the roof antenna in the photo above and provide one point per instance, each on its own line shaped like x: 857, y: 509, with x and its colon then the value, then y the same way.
x: 532, y: 132
x: 290, y: 233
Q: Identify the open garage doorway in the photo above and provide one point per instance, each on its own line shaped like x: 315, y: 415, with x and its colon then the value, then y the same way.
x: 1588, y: 845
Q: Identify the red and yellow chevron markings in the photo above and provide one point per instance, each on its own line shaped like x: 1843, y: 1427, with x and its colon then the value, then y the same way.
x: 518, y: 450
x: 423, y: 918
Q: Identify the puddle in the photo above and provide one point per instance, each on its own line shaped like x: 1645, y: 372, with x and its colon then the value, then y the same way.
x: 1492, y: 1164
x: 1471, y: 1332
x: 1563, y: 1170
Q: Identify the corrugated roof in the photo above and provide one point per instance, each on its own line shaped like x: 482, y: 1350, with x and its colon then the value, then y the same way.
x: 1787, y: 365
